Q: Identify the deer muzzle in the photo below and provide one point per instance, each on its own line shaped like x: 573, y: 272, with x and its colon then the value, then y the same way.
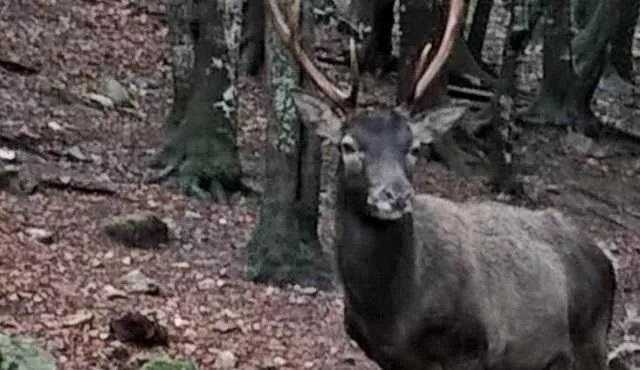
x: 391, y: 201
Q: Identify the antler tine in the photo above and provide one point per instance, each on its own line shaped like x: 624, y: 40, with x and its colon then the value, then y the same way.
x: 422, y: 62
x: 335, y: 94
x: 456, y: 8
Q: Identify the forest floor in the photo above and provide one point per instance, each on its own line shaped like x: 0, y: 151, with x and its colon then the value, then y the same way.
x: 77, y: 164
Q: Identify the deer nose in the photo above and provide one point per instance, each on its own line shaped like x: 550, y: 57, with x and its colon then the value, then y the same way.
x: 393, y: 196
x: 403, y: 202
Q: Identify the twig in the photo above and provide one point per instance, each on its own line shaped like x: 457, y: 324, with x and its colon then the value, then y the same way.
x: 82, y: 188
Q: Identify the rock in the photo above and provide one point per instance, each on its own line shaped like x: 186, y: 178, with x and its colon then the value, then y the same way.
x: 55, y: 126
x: 7, y: 155
x: 168, y: 364
x: 23, y: 354
x: 226, y: 360
x: 133, y: 327
x: 40, y: 235
x: 115, y: 91
x: 142, y: 230
x: 207, y: 284
x: 136, y: 282
x: 9, y: 178
x: 75, y: 153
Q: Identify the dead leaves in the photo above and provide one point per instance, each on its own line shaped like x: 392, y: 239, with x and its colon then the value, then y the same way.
x: 79, y: 318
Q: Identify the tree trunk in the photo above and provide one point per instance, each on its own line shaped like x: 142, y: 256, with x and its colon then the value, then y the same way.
x: 621, y: 57
x: 374, y: 18
x: 183, y: 32
x: 285, y: 246
x: 420, y: 22
x: 478, y: 29
x: 202, y: 150
x: 572, y: 66
x: 252, y: 47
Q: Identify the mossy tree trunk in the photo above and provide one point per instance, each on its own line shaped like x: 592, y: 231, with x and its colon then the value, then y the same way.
x: 573, y: 65
x: 201, y: 150
x: 285, y: 246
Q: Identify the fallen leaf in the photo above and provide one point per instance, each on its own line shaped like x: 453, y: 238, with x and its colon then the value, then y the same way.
x: 112, y: 293
x: 78, y: 318
x: 104, y: 101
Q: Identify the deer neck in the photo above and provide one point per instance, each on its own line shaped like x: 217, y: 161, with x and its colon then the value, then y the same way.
x: 375, y: 257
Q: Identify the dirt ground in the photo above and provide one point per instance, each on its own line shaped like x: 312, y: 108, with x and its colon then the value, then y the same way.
x: 79, y: 164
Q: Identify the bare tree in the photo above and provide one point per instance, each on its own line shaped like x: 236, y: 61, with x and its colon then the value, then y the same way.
x: 201, y: 150
x: 622, y: 40
x: 252, y: 46
x: 285, y: 245
x: 478, y: 30
x: 573, y: 64
x: 374, y: 19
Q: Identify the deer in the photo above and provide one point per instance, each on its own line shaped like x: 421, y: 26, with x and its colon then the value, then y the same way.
x: 431, y: 284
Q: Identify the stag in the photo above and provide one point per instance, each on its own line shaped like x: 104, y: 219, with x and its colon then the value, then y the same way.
x: 433, y: 284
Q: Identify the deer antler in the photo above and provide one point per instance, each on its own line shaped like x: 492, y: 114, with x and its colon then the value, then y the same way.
x: 456, y: 8
x: 343, y: 99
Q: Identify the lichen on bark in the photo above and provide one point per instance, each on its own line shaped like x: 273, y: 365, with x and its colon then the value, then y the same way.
x: 285, y: 247
x: 201, y: 150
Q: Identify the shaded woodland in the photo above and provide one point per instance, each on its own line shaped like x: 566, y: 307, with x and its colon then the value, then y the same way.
x: 161, y: 197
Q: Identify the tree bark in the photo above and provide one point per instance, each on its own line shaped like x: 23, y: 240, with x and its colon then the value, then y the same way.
x: 201, y: 148
x: 621, y: 57
x: 420, y: 22
x: 375, y: 19
x: 478, y: 29
x: 252, y: 47
x: 183, y: 31
x: 285, y: 246
x: 572, y: 65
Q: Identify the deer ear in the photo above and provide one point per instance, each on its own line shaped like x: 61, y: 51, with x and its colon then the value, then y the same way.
x: 434, y: 124
x: 318, y: 116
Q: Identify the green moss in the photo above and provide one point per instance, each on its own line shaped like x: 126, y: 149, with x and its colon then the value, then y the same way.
x: 23, y: 354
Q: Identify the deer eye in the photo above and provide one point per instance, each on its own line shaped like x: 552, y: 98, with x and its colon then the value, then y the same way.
x: 415, y: 150
x: 412, y: 155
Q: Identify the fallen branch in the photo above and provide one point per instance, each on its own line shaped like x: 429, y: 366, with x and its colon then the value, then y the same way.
x: 85, y: 188
x: 16, y: 67
x: 20, y: 143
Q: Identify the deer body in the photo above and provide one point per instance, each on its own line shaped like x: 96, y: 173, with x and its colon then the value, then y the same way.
x: 474, y: 286
x: 436, y: 285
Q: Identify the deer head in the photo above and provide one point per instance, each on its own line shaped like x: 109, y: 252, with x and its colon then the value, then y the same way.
x: 378, y: 148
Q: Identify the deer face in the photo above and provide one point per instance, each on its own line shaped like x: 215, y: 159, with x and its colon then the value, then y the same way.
x: 377, y: 153
x: 378, y: 150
